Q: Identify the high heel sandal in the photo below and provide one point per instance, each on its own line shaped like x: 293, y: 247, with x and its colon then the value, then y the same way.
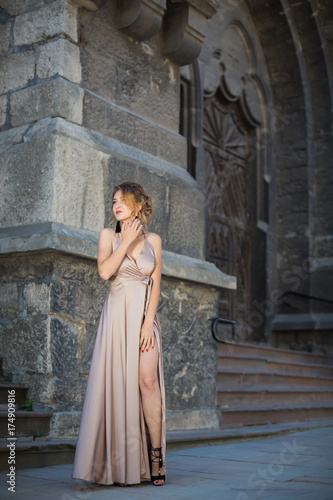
x: 156, y: 457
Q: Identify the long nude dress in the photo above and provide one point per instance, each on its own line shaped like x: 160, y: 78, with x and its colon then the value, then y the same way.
x: 113, y: 440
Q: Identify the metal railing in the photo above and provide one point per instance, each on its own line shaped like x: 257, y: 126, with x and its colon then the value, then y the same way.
x: 304, y: 296
x: 215, y: 322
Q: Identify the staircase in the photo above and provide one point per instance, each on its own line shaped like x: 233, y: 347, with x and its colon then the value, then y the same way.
x: 32, y: 447
x: 260, y: 385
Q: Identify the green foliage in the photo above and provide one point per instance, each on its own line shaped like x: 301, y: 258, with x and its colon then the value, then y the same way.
x: 39, y: 434
x: 26, y: 405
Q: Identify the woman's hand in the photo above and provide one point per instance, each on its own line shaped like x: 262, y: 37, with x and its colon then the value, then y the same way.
x: 130, y: 230
x: 147, y: 337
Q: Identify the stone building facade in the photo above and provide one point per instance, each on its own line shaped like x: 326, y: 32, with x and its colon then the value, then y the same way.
x: 223, y: 111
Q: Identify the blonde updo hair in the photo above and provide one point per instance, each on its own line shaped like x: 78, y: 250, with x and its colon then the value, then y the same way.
x: 134, y: 195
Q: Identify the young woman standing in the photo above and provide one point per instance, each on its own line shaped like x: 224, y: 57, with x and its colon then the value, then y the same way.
x: 122, y: 431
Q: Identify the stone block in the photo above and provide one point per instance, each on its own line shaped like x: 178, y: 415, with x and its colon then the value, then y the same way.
x: 40, y: 389
x: 9, y: 306
x: 82, y: 272
x: 25, y: 345
x: 14, y: 7
x: 56, y: 18
x: 191, y: 419
x: 68, y: 392
x: 63, y: 347
x: 114, y: 122
x: 24, y: 267
x: 27, y: 189
x: 36, y: 297
x: 186, y: 224
x: 4, y: 36
x: 189, y: 351
x: 16, y: 70
x: 77, y: 301
x: 53, y: 178
x: 59, y: 57
x: 65, y: 425
x: 3, y: 110
x: 55, y: 98
x: 78, y: 185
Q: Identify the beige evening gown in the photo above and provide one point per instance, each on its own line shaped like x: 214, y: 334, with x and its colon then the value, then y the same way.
x: 113, y: 440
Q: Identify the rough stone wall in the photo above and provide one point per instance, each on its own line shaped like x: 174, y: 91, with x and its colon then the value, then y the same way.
x: 46, y: 176
x: 83, y: 107
x: 185, y: 311
x: 50, y: 316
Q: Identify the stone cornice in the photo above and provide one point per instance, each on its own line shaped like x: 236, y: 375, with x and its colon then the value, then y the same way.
x: 47, y: 236
x: 184, y: 29
x: 184, y: 23
x: 89, y: 4
x: 140, y: 19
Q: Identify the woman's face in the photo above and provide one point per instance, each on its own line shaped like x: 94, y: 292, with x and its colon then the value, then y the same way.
x: 122, y: 212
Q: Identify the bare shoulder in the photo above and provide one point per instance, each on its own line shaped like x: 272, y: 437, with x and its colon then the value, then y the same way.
x: 154, y: 239
x: 107, y: 234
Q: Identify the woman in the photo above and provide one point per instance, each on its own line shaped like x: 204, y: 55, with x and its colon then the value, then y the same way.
x: 122, y: 431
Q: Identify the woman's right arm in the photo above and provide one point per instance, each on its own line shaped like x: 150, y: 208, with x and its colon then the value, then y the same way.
x: 108, y: 261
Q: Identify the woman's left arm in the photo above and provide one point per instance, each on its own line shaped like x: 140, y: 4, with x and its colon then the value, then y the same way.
x: 147, y: 338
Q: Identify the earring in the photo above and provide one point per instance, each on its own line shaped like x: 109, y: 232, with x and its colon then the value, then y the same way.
x: 118, y: 227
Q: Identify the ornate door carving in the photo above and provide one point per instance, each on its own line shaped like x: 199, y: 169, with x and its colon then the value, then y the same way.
x: 230, y: 184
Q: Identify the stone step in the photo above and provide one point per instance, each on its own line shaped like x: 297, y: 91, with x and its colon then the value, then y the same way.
x: 44, y: 453
x: 233, y: 378
x: 272, y: 353
x: 21, y: 392
x: 178, y: 440
x: 27, y: 423
x: 265, y: 364
x: 38, y: 453
x: 264, y: 415
x: 4, y: 407
x: 272, y: 396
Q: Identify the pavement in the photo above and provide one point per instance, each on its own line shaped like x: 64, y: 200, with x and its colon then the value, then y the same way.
x: 296, y: 466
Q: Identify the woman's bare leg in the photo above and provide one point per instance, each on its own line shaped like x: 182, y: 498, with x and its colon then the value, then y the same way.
x: 151, y: 400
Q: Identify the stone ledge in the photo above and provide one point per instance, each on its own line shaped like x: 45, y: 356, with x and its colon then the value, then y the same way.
x: 59, y: 126
x: 197, y: 270
x: 121, y: 124
x: 309, y: 321
x: 53, y: 98
x: 54, y: 236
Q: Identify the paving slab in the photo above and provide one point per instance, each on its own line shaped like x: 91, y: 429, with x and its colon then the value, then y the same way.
x: 294, y: 466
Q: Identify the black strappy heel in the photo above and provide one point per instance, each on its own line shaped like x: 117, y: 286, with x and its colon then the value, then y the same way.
x: 156, y: 456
